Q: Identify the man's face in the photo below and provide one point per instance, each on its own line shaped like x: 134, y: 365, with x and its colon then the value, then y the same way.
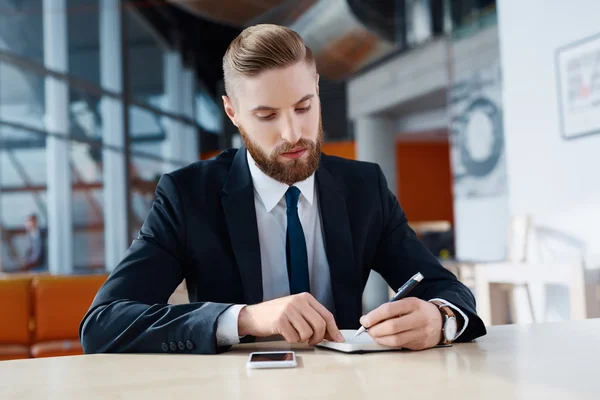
x: 30, y: 223
x: 278, y: 114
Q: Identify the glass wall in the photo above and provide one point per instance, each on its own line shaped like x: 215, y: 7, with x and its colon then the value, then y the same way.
x: 83, y: 27
x: 21, y: 28
x: 156, y: 130
x: 145, y: 54
x: 470, y: 16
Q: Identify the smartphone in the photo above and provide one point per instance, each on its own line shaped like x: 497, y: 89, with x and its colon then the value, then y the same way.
x: 271, y: 359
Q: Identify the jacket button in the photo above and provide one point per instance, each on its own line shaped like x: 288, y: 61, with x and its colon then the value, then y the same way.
x: 173, y: 346
x: 164, y: 347
x: 181, y: 345
x: 189, y: 344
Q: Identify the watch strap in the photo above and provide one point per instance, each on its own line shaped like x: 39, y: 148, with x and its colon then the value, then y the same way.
x: 447, y: 313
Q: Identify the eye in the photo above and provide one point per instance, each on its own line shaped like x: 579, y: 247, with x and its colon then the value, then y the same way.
x: 303, y: 109
x: 266, y: 117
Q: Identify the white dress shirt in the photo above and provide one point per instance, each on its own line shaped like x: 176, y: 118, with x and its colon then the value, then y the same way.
x: 271, y: 219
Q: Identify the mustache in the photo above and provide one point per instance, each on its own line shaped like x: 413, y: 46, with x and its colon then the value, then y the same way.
x: 288, y: 147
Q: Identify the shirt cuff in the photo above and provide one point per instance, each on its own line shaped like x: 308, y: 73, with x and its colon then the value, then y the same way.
x: 462, y: 314
x: 227, y: 326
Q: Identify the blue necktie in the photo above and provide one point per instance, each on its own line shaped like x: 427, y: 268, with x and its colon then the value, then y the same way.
x: 297, y: 258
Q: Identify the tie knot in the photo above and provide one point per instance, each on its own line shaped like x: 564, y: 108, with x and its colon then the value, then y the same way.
x: 291, y: 197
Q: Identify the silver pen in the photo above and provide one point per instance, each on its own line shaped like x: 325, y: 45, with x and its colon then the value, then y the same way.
x: 401, y: 293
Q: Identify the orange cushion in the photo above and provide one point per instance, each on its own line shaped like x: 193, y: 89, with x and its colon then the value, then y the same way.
x: 13, y: 352
x: 15, y: 310
x: 56, y: 349
x: 60, y: 302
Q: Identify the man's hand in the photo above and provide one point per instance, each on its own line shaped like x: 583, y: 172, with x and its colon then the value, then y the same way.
x: 298, y: 318
x: 409, y: 323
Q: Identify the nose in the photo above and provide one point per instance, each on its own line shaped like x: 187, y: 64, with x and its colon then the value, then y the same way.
x: 291, y: 131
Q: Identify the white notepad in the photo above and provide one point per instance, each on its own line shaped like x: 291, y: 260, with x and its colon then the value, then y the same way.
x: 360, y: 344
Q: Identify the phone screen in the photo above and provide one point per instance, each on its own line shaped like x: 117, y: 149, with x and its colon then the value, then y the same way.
x: 272, y: 357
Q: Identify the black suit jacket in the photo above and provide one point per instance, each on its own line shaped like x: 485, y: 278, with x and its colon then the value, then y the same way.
x: 202, y: 227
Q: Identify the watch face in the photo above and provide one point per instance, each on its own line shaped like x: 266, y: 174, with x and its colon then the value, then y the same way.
x: 450, y: 329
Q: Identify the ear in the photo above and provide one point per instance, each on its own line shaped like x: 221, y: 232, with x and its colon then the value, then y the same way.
x: 317, y: 84
x: 229, y: 109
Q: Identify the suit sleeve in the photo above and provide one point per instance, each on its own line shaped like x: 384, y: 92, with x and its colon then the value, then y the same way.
x: 400, y: 255
x: 130, y: 311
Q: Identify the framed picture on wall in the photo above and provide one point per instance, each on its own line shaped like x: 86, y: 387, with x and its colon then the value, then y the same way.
x: 477, y: 133
x: 578, y: 69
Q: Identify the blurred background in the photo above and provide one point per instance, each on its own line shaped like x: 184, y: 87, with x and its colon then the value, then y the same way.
x: 484, y: 116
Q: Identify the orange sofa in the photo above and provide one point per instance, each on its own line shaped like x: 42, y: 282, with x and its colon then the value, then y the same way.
x: 40, y: 314
x: 15, y: 317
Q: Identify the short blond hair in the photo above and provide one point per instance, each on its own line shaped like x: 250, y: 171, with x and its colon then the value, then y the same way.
x: 261, y: 48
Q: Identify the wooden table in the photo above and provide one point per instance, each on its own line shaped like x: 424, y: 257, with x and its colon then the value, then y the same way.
x: 545, y: 361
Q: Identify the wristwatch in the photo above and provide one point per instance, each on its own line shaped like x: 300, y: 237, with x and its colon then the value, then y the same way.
x: 449, y: 323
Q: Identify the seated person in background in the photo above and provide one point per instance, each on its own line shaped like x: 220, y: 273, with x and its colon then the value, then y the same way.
x: 274, y: 238
x: 34, y: 255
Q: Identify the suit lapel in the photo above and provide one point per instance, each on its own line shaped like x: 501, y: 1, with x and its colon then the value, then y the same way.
x: 240, y: 214
x: 339, y: 250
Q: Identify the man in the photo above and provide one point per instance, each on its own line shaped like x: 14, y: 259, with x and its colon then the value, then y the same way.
x: 34, y: 255
x: 274, y: 238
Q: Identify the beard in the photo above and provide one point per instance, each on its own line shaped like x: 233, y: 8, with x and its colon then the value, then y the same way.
x: 290, y: 171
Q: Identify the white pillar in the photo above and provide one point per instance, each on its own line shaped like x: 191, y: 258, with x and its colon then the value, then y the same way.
x: 116, y: 238
x: 191, y: 150
x: 181, y: 143
x: 60, y: 225
x: 173, y: 70
x: 376, y: 142
x: 375, y: 139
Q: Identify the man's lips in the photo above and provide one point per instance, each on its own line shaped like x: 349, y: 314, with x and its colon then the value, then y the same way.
x: 294, y: 154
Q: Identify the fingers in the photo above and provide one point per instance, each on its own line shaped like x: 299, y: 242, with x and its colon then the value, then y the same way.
x: 308, y: 319
x: 418, y: 330
x: 395, y: 325
x: 297, y: 318
x: 288, y: 331
x: 390, y: 310
x: 331, y: 327
x: 406, y: 339
x: 317, y: 324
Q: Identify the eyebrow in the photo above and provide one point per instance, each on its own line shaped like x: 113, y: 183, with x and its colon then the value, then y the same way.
x: 269, y: 108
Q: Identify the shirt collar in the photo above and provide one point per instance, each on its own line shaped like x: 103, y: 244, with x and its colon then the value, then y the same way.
x: 271, y: 191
